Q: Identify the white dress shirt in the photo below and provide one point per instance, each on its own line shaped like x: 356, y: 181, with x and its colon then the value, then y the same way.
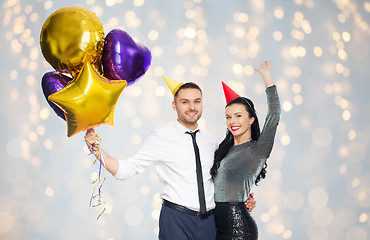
x: 171, y: 152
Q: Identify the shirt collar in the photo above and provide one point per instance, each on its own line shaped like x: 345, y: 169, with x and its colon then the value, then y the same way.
x: 179, y: 127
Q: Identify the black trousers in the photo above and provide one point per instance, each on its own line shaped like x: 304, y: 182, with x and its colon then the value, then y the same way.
x: 175, y: 225
x: 233, y: 222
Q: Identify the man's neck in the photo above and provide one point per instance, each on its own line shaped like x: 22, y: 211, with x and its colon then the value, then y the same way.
x: 190, y: 126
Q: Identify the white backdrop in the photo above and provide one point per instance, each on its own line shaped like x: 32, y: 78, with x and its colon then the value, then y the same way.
x: 318, y: 180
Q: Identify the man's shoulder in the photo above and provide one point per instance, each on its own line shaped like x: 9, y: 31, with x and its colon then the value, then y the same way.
x: 163, y: 130
x: 208, y: 135
x: 206, y: 132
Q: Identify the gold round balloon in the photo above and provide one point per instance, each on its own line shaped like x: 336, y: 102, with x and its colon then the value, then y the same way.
x: 70, y: 37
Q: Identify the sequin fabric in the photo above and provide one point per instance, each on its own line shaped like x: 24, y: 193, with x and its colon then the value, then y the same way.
x: 233, y: 222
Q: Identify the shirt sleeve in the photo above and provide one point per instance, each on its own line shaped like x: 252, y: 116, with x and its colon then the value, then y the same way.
x: 148, y: 154
x: 266, y: 140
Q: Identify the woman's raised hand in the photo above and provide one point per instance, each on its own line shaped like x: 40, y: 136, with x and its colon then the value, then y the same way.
x: 265, y: 68
x: 265, y: 71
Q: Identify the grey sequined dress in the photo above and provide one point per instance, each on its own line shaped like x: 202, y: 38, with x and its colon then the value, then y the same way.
x: 238, y: 172
x: 241, y: 166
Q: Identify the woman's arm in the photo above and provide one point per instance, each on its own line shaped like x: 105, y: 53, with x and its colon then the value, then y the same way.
x: 266, y: 139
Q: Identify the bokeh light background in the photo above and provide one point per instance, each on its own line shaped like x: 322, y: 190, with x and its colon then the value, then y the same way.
x: 318, y: 182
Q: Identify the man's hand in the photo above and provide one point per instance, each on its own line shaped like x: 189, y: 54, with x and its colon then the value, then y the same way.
x: 91, y: 136
x: 92, y: 140
x: 250, y: 203
x: 93, y: 143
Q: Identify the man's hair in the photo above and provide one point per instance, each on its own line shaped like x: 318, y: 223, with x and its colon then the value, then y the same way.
x: 186, y: 86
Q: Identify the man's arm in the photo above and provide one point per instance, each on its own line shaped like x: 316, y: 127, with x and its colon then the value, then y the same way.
x: 110, y: 163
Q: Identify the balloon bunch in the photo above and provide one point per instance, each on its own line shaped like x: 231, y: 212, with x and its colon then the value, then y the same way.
x: 91, y: 70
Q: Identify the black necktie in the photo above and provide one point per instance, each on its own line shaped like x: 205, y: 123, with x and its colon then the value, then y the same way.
x: 202, y: 200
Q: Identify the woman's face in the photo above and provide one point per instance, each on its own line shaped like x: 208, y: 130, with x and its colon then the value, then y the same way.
x: 238, y: 120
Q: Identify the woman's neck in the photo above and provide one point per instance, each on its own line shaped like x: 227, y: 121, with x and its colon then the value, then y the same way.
x: 242, y: 139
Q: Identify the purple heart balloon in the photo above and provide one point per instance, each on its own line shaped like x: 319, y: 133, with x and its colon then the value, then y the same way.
x: 53, y: 82
x: 123, y: 59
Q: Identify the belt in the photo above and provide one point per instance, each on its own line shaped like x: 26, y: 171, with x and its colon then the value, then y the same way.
x: 187, y: 210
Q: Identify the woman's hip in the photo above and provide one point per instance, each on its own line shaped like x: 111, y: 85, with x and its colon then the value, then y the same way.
x: 233, y: 221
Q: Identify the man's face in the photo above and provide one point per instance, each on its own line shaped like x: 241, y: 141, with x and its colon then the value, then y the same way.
x: 188, y: 105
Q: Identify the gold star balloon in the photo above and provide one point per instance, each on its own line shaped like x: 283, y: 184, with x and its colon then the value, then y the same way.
x: 89, y: 101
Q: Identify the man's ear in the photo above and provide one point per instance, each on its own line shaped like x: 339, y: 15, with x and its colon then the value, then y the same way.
x: 174, y: 105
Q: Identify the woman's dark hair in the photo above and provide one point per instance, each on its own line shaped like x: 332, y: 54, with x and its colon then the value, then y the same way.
x: 228, y: 142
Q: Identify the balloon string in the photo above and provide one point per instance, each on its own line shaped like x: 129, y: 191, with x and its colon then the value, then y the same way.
x: 94, y: 149
x: 98, y: 179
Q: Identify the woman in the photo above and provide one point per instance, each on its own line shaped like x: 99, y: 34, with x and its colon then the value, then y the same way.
x: 240, y: 160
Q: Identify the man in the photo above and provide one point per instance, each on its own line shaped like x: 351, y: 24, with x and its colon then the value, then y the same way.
x: 182, y: 156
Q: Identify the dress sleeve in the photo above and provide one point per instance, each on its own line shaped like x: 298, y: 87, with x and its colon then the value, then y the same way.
x: 148, y: 154
x: 266, y: 140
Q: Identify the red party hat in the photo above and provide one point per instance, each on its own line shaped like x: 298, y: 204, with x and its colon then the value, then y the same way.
x: 229, y: 93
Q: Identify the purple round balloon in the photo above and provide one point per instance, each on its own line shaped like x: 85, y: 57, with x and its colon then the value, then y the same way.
x: 123, y: 59
x: 53, y: 82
